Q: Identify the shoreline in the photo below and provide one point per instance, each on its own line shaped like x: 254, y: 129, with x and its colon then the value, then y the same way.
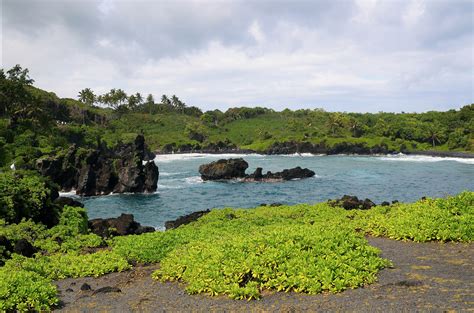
x: 431, y: 153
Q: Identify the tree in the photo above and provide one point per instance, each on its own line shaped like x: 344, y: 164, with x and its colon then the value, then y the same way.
x: 212, y: 118
x: 195, y: 131
x: 150, y: 99
x: 135, y: 101
x: 355, y: 127
x: 115, y: 98
x: 177, y: 104
x: 14, y: 95
x: 165, y: 101
x: 435, y: 133
x: 149, y: 103
x: 335, y: 122
x: 87, y: 96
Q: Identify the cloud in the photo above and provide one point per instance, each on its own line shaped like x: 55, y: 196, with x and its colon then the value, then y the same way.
x: 361, y: 55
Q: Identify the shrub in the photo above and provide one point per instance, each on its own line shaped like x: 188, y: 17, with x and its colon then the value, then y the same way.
x: 25, y: 195
x: 25, y: 291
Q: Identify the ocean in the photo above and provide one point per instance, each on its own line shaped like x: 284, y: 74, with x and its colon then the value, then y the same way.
x: 379, y: 178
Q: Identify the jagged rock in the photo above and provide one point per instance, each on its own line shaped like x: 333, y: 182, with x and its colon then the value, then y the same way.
x: 257, y: 175
x: 119, y: 226
x: 224, y: 169
x: 289, y: 174
x: 63, y: 201
x: 25, y: 248
x: 103, y: 170
x: 352, y: 203
x: 186, y: 219
x: 235, y: 169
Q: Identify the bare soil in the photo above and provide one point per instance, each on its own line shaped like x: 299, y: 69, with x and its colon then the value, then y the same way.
x: 435, y: 277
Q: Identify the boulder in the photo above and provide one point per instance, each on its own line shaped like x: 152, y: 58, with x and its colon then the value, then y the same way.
x: 63, y: 201
x: 123, y: 225
x: 352, y: 203
x: 224, y: 169
x: 295, y: 173
x: 126, y: 168
x: 186, y: 219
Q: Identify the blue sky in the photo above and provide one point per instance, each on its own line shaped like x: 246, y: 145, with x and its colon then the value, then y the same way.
x: 351, y: 55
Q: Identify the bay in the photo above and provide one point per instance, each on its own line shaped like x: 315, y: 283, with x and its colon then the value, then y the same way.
x: 379, y: 178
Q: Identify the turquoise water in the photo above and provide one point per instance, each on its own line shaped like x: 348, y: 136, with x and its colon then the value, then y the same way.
x: 380, y: 178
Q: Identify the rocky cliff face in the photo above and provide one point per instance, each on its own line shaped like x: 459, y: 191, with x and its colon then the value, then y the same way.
x: 127, y: 168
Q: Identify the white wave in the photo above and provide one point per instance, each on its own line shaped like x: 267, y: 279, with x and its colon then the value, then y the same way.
x: 166, y: 174
x: 165, y: 158
x: 193, y: 180
x: 161, y: 186
x: 71, y: 193
x: 304, y: 155
x: 423, y: 158
x: 160, y: 228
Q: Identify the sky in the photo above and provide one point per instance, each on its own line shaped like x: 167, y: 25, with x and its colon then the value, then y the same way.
x: 350, y: 55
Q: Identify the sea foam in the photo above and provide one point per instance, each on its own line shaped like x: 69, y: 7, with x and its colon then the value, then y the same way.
x: 423, y: 158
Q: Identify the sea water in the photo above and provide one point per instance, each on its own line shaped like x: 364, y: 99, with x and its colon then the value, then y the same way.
x: 379, y: 178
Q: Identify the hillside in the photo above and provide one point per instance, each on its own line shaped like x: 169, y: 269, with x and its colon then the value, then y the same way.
x: 34, y: 122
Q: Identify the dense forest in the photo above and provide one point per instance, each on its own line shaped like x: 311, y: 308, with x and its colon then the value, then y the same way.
x: 34, y: 122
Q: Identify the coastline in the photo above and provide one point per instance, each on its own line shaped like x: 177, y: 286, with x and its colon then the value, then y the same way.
x: 431, y: 153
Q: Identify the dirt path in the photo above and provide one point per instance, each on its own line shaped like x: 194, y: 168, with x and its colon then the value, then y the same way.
x: 425, y: 277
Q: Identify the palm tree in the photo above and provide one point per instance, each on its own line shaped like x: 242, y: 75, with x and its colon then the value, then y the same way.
x: 150, y: 102
x: 165, y: 101
x: 335, y: 122
x: 354, y: 126
x: 177, y: 104
x: 87, y: 96
x: 435, y: 134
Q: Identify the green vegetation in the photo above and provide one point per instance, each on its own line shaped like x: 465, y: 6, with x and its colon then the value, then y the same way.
x: 449, y: 219
x: 25, y: 195
x: 34, y: 123
x: 25, y: 291
x: 238, y: 252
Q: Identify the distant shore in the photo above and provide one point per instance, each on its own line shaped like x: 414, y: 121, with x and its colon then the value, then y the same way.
x: 432, y: 153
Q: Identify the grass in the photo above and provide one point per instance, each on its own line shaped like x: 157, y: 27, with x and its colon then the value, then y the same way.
x: 241, y: 252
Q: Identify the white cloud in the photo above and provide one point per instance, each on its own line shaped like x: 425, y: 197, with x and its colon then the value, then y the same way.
x: 256, y: 32
x: 370, y: 56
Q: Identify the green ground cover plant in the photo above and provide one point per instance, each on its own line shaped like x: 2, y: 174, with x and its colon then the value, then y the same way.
x: 237, y: 252
x: 444, y: 219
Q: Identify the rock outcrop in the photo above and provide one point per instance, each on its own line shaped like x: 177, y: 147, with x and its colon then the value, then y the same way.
x: 123, y: 225
x: 235, y: 169
x: 287, y: 174
x: 352, y: 203
x: 224, y: 169
x: 127, y: 168
x: 185, y: 219
x: 63, y: 201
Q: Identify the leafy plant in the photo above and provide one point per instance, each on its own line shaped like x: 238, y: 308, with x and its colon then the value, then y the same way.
x: 25, y: 291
